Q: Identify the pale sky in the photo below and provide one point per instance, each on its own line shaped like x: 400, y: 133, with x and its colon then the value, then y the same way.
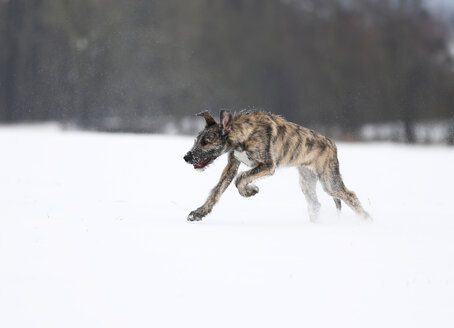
x: 440, y: 3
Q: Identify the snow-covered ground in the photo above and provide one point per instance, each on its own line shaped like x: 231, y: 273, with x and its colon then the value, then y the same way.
x: 93, y: 233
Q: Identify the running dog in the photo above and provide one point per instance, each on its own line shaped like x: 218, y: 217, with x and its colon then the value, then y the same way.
x: 264, y: 142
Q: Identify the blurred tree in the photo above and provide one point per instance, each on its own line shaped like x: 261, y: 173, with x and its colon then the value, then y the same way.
x: 120, y: 65
x: 14, y: 12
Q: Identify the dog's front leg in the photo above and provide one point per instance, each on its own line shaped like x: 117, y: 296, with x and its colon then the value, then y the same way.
x: 226, y: 178
x: 245, y: 178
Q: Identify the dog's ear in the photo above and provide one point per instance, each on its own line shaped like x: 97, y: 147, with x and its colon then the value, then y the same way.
x: 226, y: 121
x: 208, y: 118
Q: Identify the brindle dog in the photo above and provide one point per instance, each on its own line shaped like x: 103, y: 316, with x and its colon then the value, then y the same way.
x: 264, y: 142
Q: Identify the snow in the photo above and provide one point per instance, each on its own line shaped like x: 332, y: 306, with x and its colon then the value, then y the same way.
x: 93, y: 233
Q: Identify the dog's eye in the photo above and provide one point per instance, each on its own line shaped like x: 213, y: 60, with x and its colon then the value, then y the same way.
x: 204, y: 142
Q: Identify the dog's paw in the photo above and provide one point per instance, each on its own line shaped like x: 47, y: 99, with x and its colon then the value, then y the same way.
x: 366, y: 217
x: 196, y: 215
x: 249, y: 190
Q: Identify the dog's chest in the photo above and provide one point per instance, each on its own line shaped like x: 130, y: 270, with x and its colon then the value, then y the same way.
x: 243, y: 157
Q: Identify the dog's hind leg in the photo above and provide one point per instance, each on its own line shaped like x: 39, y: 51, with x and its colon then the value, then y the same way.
x: 332, y: 183
x: 338, y: 204
x: 308, y: 182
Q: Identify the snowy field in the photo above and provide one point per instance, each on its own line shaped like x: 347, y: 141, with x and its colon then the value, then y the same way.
x: 93, y: 233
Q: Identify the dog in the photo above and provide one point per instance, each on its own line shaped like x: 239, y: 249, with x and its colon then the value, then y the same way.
x: 264, y: 142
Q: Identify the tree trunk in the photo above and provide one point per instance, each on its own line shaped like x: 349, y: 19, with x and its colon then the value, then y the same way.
x: 450, y: 139
x: 14, y: 18
x: 409, y: 131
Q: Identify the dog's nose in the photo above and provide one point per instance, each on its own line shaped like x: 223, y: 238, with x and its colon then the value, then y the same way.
x: 188, y: 157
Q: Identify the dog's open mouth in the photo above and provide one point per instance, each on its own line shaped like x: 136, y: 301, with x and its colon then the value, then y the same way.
x: 204, y: 162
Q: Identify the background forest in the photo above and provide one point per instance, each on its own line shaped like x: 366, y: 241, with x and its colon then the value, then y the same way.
x: 135, y: 66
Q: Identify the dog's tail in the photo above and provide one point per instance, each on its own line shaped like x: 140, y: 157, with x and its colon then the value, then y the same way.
x: 338, y: 204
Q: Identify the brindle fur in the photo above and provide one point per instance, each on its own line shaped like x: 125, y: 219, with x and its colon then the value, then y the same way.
x: 265, y: 141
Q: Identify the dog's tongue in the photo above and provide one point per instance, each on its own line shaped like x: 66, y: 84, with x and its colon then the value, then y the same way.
x: 201, y: 163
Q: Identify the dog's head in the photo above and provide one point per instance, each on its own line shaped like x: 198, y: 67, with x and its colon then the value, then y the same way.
x: 212, y: 142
